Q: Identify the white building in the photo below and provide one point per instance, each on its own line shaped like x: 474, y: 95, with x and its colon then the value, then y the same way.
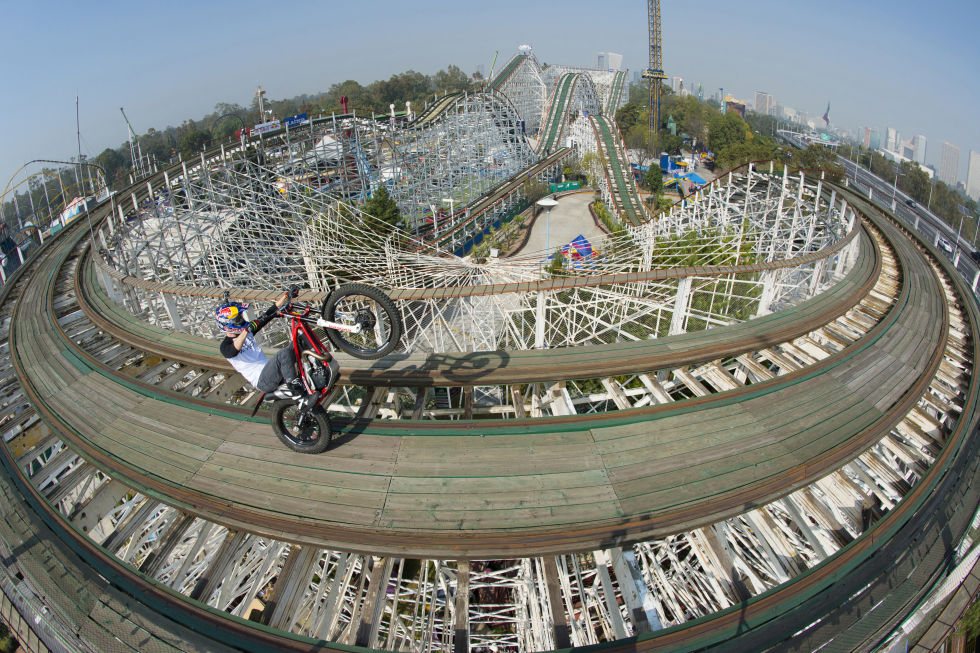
x: 609, y: 61
x: 919, y: 148
x: 973, y: 176
x: 892, y: 141
x: 949, y: 165
x: 898, y: 158
x: 764, y: 103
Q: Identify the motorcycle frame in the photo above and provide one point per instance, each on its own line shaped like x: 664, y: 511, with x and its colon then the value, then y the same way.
x: 298, y: 322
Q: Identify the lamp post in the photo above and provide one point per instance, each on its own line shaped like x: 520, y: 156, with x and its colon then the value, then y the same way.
x: 547, y: 203
x: 895, y: 189
x: 435, y: 226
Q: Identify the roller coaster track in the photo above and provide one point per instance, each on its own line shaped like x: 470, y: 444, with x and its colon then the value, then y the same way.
x: 497, y: 82
x: 626, y: 199
x: 435, y: 109
x: 558, y: 112
x: 615, y: 99
x: 147, y: 510
x: 477, y: 210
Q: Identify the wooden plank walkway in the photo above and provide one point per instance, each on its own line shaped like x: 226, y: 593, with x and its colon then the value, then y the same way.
x: 483, y: 487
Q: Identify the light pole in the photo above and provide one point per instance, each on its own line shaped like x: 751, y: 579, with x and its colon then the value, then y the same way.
x: 452, y: 213
x: 895, y: 189
x: 547, y: 203
x: 435, y: 225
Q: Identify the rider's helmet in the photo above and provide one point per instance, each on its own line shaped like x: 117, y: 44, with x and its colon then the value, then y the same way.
x: 231, y: 316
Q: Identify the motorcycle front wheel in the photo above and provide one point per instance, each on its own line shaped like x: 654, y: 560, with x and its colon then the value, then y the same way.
x: 303, y: 431
x: 358, y: 304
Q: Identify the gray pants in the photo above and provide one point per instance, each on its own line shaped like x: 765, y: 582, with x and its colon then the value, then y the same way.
x: 280, y: 369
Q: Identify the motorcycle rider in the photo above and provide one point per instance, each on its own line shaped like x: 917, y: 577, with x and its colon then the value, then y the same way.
x: 246, y: 356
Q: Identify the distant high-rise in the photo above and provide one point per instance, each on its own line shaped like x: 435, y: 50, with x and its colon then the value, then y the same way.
x: 973, y: 176
x: 919, y: 148
x: 949, y: 165
x: 892, y: 142
x: 866, y: 141
x: 764, y: 103
x: 608, y: 61
x: 676, y: 83
x: 875, y: 140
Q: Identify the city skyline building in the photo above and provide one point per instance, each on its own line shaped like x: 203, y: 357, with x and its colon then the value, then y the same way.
x: 764, y: 103
x: 875, y: 142
x: 866, y: 139
x: 973, y: 176
x: 949, y: 165
x: 891, y: 139
x: 609, y: 61
x: 919, y: 148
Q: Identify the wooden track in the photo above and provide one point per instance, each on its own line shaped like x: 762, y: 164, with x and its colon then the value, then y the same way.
x: 527, y: 486
x: 473, y: 489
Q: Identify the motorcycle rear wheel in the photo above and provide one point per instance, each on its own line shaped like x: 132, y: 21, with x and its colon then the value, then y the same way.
x: 304, y: 433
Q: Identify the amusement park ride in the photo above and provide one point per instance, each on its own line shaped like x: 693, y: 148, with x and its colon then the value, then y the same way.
x: 742, y: 425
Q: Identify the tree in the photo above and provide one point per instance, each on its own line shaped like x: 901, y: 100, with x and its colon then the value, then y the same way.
x: 727, y: 130
x: 383, y: 211
x: 358, y: 97
x: 112, y: 162
x: 740, y: 153
x: 193, y: 142
x: 654, y: 180
x: 451, y: 80
x: 627, y: 116
x: 670, y: 143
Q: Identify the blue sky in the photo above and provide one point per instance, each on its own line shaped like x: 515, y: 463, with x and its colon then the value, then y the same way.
x: 909, y: 65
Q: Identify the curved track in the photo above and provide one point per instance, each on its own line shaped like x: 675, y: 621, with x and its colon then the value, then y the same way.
x: 145, y: 469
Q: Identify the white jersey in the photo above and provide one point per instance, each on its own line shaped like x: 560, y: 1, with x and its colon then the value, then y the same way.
x: 250, y: 360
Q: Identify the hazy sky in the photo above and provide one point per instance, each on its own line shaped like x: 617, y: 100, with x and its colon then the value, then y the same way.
x: 908, y: 65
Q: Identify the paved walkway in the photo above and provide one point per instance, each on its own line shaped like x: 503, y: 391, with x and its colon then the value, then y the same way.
x: 569, y: 219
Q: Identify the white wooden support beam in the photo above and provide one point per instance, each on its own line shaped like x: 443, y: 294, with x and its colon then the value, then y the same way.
x: 367, y: 631
x: 220, y: 566
x: 559, y: 621
x: 768, y: 292
x: 616, y: 621
x: 290, y: 587
x: 540, y: 316
x: 153, y: 562
x: 656, y: 389
x: 756, y: 370
x: 461, y: 626
x: 681, y: 302
x: 89, y: 515
x: 129, y: 526
x: 791, y: 507
x: 692, y: 384
x: 326, y: 623
x: 635, y: 593
x: 616, y: 393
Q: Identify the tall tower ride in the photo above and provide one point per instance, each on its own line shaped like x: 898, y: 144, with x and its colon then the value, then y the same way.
x: 655, y: 73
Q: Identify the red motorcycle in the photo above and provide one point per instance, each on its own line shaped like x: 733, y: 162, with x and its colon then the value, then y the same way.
x: 358, y: 319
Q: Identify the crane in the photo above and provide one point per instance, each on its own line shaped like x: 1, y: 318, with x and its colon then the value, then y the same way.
x: 655, y: 73
x: 135, y: 153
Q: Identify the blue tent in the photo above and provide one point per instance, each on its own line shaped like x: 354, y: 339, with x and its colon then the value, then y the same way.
x: 578, y: 253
